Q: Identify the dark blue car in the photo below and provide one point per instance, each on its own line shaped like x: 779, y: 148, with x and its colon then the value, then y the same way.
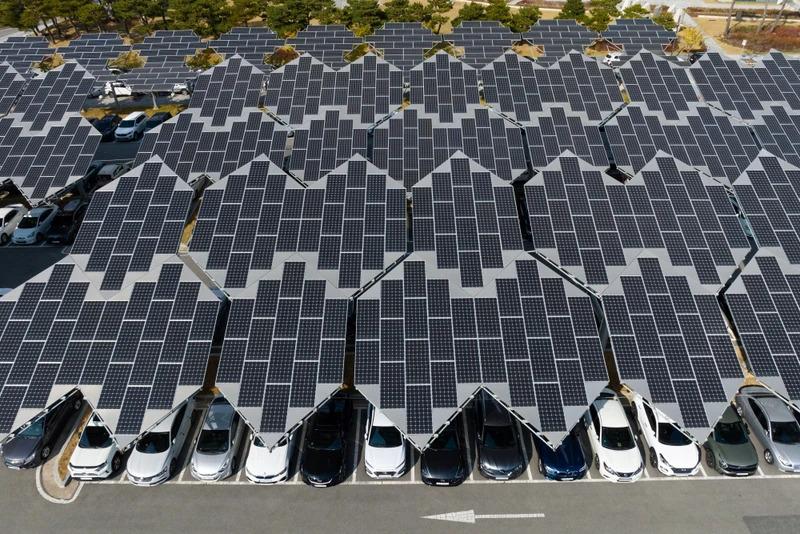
x: 565, y: 463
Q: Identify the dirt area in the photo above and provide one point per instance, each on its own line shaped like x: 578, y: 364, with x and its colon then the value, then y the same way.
x: 785, y: 38
x: 98, y: 113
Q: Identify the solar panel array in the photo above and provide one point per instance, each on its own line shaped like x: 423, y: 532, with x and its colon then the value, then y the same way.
x: 482, y: 40
x: 133, y: 221
x: 11, y: 85
x: 658, y: 84
x: 328, y: 43
x: 403, y: 44
x: 253, y: 43
x: 763, y: 302
x: 558, y: 37
x: 593, y: 226
x: 23, y: 51
x: 303, y: 88
x: 93, y: 51
x: 227, y: 90
x: 165, y: 53
x: 58, y: 94
x: 671, y: 343
x: 703, y: 137
x: 424, y: 346
x: 635, y: 34
x: 778, y: 131
x: 444, y: 88
x: 349, y: 226
x: 135, y: 355
x: 555, y: 130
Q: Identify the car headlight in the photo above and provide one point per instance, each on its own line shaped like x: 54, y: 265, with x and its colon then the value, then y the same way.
x: 782, y: 459
x: 663, y: 460
x: 722, y: 463
x: 611, y: 471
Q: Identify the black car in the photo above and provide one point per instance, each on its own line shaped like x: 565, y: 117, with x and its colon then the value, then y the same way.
x: 567, y: 462
x: 325, y: 454
x: 500, y: 454
x: 66, y: 223
x: 107, y: 125
x: 444, y: 463
x: 34, y: 444
x: 156, y: 119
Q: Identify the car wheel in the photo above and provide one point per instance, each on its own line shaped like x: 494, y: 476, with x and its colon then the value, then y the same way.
x: 77, y: 405
x: 3, y: 239
x: 653, y: 458
x: 173, y: 467
x: 541, y: 466
x: 768, y: 457
x: 710, y: 460
x: 45, y: 453
x: 116, y: 463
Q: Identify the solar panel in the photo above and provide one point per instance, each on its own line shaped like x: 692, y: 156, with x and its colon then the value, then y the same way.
x: 671, y: 343
x: 444, y: 88
x: 93, y: 51
x: 135, y: 355
x: 593, y: 226
x: 424, y: 346
x: 555, y: 130
x: 284, y: 348
x: 374, y: 88
x: 767, y: 194
x: 227, y: 90
x: 11, y: 85
x: 777, y: 130
x: 23, y: 51
x: 636, y: 34
x: 60, y: 92
x: 703, y: 137
x: 763, y: 302
x: 253, y: 43
x: 658, y: 84
x: 403, y: 44
x: 165, y: 53
x: 465, y: 220
x: 156, y: 76
x: 131, y: 224
x: 349, y: 226
x: 327, y: 43
x: 785, y: 73
x: 557, y: 37
x: 482, y: 40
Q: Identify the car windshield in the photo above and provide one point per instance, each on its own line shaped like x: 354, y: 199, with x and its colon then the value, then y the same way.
x: 498, y: 437
x: 36, y: 430
x: 126, y: 124
x: 28, y: 222
x: 153, y: 443
x: 617, y: 438
x: 385, y: 437
x: 95, y: 437
x: 445, y: 442
x: 668, y: 434
x: 730, y: 434
x: 786, y: 432
x: 213, y: 441
x: 325, y: 441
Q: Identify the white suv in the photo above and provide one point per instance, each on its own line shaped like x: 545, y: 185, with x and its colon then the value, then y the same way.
x: 670, y: 450
x: 97, y: 455
x: 155, y: 457
x: 131, y: 127
x: 615, y: 453
x: 385, y: 449
x: 10, y: 216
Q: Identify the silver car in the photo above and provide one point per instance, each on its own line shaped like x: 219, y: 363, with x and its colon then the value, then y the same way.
x: 214, y: 456
x: 774, y: 424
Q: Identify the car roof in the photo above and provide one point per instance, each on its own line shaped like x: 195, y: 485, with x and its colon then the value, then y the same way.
x: 610, y: 412
x: 38, y: 211
x: 6, y: 209
x: 381, y: 420
x: 109, y: 167
x: 220, y: 415
x: 776, y: 409
x: 135, y: 114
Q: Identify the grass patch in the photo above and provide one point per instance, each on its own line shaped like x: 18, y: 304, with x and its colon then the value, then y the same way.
x: 528, y: 50
x: 127, y: 61
x: 785, y: 38
x: 360, y: 50
x: 50, y: 62
x: 442, y: 46
x: 281, y: 56
x: 203, y: 59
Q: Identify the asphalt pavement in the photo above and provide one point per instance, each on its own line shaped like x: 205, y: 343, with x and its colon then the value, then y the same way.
x: 18, y: 263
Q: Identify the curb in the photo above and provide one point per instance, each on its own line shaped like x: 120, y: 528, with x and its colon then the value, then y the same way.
x: 49, y: 498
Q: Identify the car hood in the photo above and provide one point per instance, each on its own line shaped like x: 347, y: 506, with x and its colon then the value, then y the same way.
x: 565, y: 458
x: 384, y: 458
x: 24, y: 232
x: 501, y: 459
x: 209, y: 464
x: 682, y: 457
x: 263, y: 462
x: 143, y: 465
x: 738, y: 455
x: 790, y: 451
x: 628, y: 461
x: 90, y: 457
x: 322, y: 466
x: 18, y: 449
x: 441, y: 464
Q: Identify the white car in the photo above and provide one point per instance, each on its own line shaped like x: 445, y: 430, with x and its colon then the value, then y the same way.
x: 265, y: 466
x: 612, y: 58
x: 10, y: 216
x: 214, y: 455
x: 118, y: 88
x: 96, y: 456
x: 670, y: 450
x: 615, y: 453
x: 385, y: 449
x: 131, y: 127
x: 155, y: 457
x: 34, y: 225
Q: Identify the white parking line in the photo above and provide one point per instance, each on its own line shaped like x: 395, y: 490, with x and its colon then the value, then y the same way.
x: 525, y: 449
x: 646, y: 474
x: 589, y: 474
x: 355, y: 447
x: 703, y: 471
x: 467, y: 445
x: 760, y: 472
x: 296, y: 477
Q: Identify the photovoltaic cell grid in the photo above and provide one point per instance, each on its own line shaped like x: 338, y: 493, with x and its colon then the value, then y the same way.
x: 785, y: 72
x: 93, y: 51
x: 403, y: 44
x: 763, y: 303
x: 767, y: 193
x: 739, y: 89
x: 157, y: 76
x: 444, y: 88
x: 519, y: 87
x: 284, y: 348
x: 482, y: 40
x: 134, y: 221
x: 555, y: 130
x: 635, y: 34
x: 328, y: 43
x: 778, y: 131
x: 253, y: 43
x: 424, y: 346
x: 559, y: 37
x: 52, y: 97
x: 134, y: 356
x: 410, y: 146
x: 374, y: 88
x: 168, y: 46
x: 593, y: 226
x: 465, y: 219
x: 704, y: 138
x: 23, y: 51
x: 303, y: 88
x: 658, y: 84
x: 11, y: 85
x: 671, y: 343
x: 227, y: 90
x: 349, y: 226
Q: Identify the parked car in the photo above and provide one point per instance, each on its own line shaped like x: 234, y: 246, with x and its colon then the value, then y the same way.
x: 117, y: 87
x: 156, y: 119
x: 34, y: 443
x: 671, y: 451
x: 131, y: 127
x: 499, y: 446
x: 774, y: 424
x: 444, y: 463
x: 183, y: 88
x: 326, y: 448
x: 566, y: 462
x: 615, y: 452
x: 268, y: 466
x: 215, y: 455
x: 67, y: 222
x: 96, y: 456
x: 10, y: 216
x: 154, y: 458
x: 34, y: 225
x: 385, y: 448
x: 728, y: 449
x: 107, y: 126
x: 612, y: 58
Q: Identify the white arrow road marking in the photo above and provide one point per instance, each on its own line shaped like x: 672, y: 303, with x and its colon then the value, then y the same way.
x: 469, y: 516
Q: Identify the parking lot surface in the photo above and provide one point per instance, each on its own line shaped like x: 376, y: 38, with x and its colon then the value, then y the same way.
x: 18, y: 263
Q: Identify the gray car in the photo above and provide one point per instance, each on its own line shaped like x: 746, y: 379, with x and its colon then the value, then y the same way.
x: 215, y: 456
x: 728, y: 449
x: 774, y: 424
